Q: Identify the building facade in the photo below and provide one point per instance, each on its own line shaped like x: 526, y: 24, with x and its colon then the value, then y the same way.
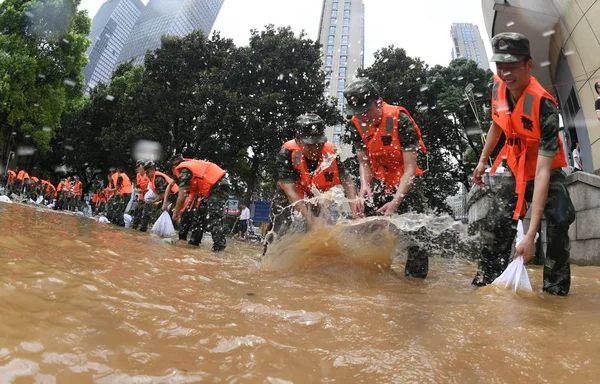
x: 111, y: 28
x: 342, y: 35
x: 467, y: 43
x: 168, y: 17
x: 564, y: 37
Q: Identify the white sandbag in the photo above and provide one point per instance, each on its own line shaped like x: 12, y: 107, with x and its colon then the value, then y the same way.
x: 515, y: 275
x: 103, y: 220
x: 39, y: 200
x: 5, y: 199
x: 128, y: 220
x: 164, y: 226
x: 150, y: 195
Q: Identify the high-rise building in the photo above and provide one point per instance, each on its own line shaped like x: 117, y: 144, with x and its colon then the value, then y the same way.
x: 342, y: 35
x: 466, y: 42
x: 110, y: 29
x: 168, y: 17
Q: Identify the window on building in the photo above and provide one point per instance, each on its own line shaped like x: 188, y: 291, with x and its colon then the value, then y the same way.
x: 344, y: 50
x: 334, y: 13
x: 345, y: 30
x: 343, y: 60
x: 347, y: 5
x: 331, y: 39
x: 334, y: 5
x: 340, y: 96
x: 330, y: 49
x: 333, y: 21
x: 345, y: 39
x: 332, y: 30
x: 347, y: 13
x: 327, y: 70
x: 341, y: 83
x: 342, y: 72
x: 328, y: 60
x: 346, y: 21
x: 337, y: 140
x: 572, y: 103
x: 337, y: 128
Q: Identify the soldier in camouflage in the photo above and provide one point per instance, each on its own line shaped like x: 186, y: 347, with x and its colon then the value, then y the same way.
x: 546, y: 190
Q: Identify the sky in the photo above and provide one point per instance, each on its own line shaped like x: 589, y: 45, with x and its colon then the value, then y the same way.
x: 421, y: 27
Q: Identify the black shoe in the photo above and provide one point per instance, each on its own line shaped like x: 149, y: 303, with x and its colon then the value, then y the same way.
x: 143, y: 229
x: 196, y: 243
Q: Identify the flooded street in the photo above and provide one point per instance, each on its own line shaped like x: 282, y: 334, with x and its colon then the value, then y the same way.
x: 86, y: 302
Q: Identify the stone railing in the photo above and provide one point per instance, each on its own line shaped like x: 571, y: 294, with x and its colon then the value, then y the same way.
x: 584, y: 233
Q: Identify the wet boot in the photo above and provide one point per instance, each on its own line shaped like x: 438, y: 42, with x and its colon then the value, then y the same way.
x: 417, y: 263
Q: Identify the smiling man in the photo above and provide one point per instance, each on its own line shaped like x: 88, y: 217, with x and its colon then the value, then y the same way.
x: 527, y: 115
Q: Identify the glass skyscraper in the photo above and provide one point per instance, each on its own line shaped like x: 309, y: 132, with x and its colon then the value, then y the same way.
x: 466, y: 42
x: 110, y: 29
x: 168, y: 17
x: 342, y: 35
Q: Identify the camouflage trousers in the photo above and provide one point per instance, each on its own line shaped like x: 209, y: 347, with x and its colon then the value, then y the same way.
x: 498, y: 234
x: 417, y: 262
x: 207, y: 216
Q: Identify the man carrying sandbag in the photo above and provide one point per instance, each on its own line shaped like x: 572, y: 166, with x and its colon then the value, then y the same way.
x: 158, y: 183
x: 527, y: 115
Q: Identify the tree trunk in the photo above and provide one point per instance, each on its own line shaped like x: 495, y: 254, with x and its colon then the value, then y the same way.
x: 252, y: 179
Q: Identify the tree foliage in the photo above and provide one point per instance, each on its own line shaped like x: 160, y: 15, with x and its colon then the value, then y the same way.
x: 42, y: 55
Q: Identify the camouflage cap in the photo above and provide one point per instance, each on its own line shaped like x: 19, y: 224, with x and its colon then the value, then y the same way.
x: 359, y: 94
x: 149, y: 165
x: 310, y: 129
x: 510, y: 47
x: 176, y: 159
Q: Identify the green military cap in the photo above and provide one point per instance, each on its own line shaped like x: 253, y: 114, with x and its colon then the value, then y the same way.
x: 310, y: 129
x: 359, y: 94
x: 176, y: 159
x: 510, y: 47
x: 149, y: 165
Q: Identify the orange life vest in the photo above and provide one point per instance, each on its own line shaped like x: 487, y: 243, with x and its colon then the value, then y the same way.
x: 204, y: 176
x: 77, y: 187
x: 384, y: 148
x: 174, y: 188
x: 125, y: 184
x: 326, y: 176
x: 48, y: 187
x: 35, y: 180
x: 11, y: 176
x: 21, y: 175
x: 141, y: 182
x: 522, y: 130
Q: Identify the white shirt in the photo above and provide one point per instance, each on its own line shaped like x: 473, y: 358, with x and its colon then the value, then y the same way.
x: 245, y: 214
x: 576, y: 158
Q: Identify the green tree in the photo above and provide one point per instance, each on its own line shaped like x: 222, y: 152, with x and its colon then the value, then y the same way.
x: 42, y: 55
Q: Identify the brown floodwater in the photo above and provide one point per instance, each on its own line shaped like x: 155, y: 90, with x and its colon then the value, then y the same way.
x: 83, y: 302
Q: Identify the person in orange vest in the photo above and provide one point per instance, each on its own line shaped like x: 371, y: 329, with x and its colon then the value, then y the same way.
x: 19, y: 184
x: 141, y: 187
x: 49, y: 191
x: 203, y: 193
x: 527, y: 115
x: 62, y: 190
x: 123, y: 190
x: 11, y: 177
x: 158, y: 182
x: 307, y: 165
x: 112, y: 201
x: 77, y: 193
x: 387, y: 140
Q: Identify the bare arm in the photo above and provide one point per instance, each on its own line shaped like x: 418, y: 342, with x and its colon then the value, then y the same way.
x: 165, y: 203
x: 492, y: 140
x: 407, y: 180
x: 294, y: 198
x: 180, y: 200
x: 364, y: 169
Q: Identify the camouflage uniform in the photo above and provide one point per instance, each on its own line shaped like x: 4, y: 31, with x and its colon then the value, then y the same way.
x: 151, y: 212
x: 417, y: 263
x: 497, y: 239
x: 208, y: 217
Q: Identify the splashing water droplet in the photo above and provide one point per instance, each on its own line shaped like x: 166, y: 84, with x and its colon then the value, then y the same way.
x: 47, y: 129
x: 69, y: 147
x: 569, y: 53
x: 424, y: 88
x: 41, y: 76
x: 548, y: 33
x: 385, y: 60
x: 69, y: 82
x: 25, y: 151
x: 544, y: 63
x: 459, y: 78
x: 510, y: 23
x: 110, y: 97
x: 412, y: 66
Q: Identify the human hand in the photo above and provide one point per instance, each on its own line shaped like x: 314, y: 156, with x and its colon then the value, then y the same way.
x: 478, y: 173
x: 526, y: 248
x: 389, y: 209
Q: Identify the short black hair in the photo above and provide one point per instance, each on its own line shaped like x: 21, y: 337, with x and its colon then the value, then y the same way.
x: 596, y: 86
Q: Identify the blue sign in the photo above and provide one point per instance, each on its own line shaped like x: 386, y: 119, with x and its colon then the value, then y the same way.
x: 262, y: 212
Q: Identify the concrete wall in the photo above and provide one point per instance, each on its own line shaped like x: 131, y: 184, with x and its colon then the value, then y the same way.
x: 584, y: 233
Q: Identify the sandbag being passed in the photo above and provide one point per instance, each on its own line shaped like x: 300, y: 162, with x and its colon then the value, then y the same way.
x: 515, y: 275
x: 164, y: 226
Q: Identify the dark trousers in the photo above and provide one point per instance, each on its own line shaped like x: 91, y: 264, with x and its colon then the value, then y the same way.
x: 498, y: 234
x: 208, y: 217
x: 417, y: 262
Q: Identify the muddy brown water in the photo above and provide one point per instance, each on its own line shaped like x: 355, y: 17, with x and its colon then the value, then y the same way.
x: 83, y: 302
